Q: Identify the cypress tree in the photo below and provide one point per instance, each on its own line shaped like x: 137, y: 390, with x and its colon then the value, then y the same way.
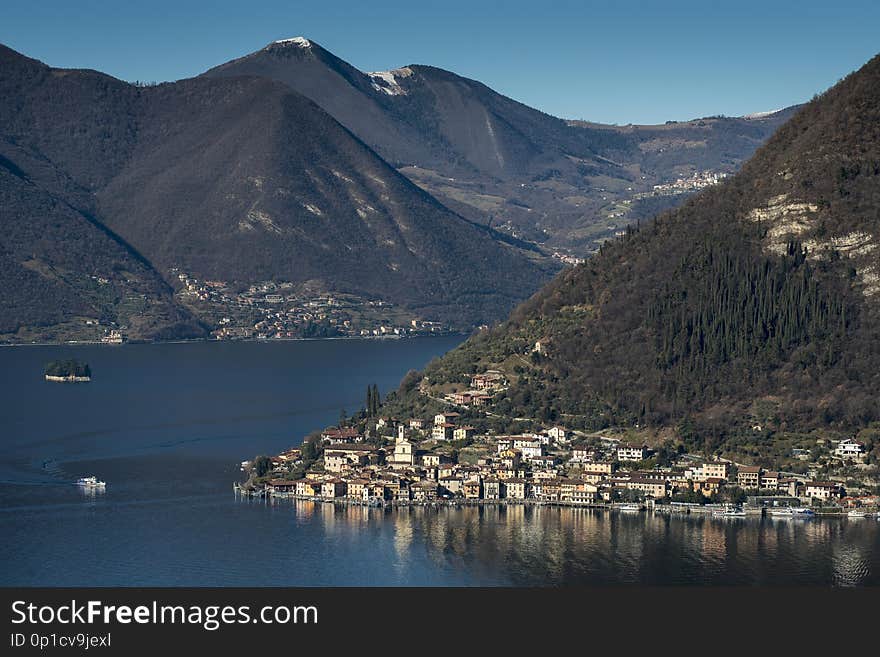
x: 376, y: 399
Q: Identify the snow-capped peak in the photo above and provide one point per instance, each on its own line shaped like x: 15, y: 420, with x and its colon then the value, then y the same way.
x: 761, y: 115
x: 387, y: 81
x: 302, y: 42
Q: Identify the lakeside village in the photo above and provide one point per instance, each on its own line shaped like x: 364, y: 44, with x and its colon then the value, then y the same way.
x: 278, y: 310
x: 381, y: 461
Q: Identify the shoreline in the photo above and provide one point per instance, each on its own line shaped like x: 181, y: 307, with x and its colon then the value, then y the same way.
x: 90, y: 343
x: 389, y: 504
x: 662, y: 509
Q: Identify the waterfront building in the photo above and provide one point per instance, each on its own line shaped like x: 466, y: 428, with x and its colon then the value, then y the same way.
x: 472, y: 489
x: 749, y: 476
x: 491, y: 489
x: 424, y: 491
x: 648, y: 486
x: 333, y: 489
x: 515, y: 489
x: 452, y: 484
x: 823, y: 490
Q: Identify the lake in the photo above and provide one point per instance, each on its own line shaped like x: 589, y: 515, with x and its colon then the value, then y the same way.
x: 167, y: 425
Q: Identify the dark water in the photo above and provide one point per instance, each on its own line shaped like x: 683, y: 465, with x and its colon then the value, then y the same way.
x: 167, y: 425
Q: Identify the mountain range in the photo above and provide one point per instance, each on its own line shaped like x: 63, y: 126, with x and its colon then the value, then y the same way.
x: 414, y: 186
x: 238, y: 179
x: 746, y: 315
x: 565, y: 184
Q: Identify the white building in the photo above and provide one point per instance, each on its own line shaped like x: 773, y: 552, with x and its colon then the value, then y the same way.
x: 445, y: 418
x: 822, y: 490
x: 403, y: 456
x: 582, y: 454
x: 630, y: 453
x: 849, y: 448
x: 529, y: 446
x: 443, y: 431
x: 558, y: 434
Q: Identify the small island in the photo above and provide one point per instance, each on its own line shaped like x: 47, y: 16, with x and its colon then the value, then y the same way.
x: 68, y: 371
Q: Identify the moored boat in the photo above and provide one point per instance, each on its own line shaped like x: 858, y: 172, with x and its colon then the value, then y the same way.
x: 857, y: 513
x: 629, y: 507
x: 90, y: 482
x: 729, y: 512
x: 792, y: 512
x: 802, y: 511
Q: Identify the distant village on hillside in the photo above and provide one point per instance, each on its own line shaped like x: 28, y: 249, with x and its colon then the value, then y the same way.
x: 697, y: 181
x: 278, y: 310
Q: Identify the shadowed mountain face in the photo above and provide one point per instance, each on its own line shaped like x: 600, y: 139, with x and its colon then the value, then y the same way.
x: 564, y: 183
x: 244, y: 180
x: 749, y: 312
x: 62, y: 271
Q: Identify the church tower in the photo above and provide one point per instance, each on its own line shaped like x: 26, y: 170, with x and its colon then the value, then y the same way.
x: 403, y: 456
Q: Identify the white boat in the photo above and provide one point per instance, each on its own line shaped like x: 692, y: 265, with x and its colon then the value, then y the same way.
x: 857, y: 513
x: 792, y: 512
x: 729, y: 512
x: 90, y: 482
x: 631, y: 507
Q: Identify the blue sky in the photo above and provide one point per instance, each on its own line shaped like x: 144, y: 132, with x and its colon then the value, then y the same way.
x: 614, y: 62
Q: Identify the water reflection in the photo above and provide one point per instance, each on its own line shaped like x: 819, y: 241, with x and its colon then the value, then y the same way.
x: 527, y: 545
x: 851, y: 564
x: 91, y: 493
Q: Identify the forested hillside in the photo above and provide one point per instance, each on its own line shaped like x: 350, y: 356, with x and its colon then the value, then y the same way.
x: 751, y: 310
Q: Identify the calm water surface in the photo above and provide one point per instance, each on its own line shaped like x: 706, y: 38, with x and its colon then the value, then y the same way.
x: 167, y: 425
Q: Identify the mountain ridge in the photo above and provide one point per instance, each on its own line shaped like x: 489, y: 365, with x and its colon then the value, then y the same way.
x: 495, y: 160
